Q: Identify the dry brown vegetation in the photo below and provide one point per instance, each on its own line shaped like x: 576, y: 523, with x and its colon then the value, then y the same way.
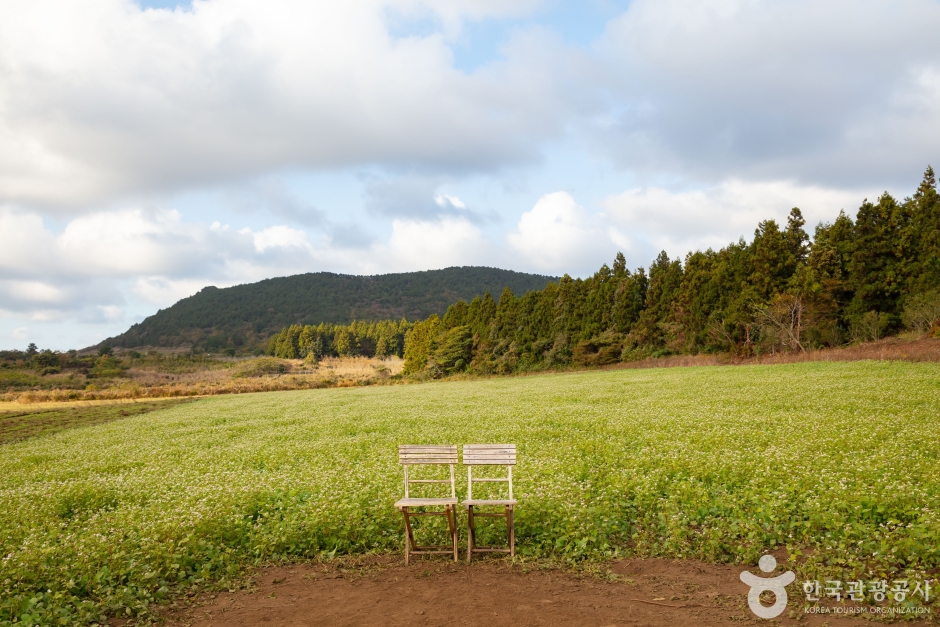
x: 910, y: 348
x: 265, y: 374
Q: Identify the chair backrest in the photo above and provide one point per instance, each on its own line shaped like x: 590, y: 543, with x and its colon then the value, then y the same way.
x: 489, y: 455
x: 428, y: 454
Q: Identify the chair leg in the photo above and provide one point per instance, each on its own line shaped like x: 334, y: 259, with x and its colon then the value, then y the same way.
x: 511, y: 530
x: 452, y: 523
x: 471, y: 533
x: 409, y: 538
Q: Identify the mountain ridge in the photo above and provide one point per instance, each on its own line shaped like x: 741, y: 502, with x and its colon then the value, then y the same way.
x: 241, y: 317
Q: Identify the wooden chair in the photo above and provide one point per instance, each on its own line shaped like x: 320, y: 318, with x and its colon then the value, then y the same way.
x: 489, y: 455
x: 418, y: 454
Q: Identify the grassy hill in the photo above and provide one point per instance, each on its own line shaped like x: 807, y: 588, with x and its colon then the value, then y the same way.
x: 243, y: 316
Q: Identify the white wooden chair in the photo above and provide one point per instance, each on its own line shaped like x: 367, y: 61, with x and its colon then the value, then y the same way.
x: 489, y: 455
x: 419, y: 454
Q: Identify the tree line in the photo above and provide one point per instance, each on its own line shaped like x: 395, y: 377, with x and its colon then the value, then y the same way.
x: 855, y: 280
x: 384, y: 338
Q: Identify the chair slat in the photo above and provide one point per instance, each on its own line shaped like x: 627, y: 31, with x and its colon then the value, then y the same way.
x: 509, y: 457
x: 428, y: 447
x: 491, y: 460
x: 441, y: 461
x: 489, y: 454
x: 489, y: 449
x: 427, y: 454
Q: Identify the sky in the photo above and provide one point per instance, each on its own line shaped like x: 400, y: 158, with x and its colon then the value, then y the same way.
x: 149, y: 149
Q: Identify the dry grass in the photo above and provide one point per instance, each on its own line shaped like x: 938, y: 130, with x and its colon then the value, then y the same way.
x: 905, y: 348
x: 914, y: 349
x: 147, y: 383
x: 361, y: 367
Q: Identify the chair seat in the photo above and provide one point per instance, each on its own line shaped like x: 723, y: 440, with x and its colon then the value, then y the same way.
x: 419, y: 502
x: 488, y: 502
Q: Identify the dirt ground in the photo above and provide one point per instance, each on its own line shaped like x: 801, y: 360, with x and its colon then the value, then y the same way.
x: 490, y: 593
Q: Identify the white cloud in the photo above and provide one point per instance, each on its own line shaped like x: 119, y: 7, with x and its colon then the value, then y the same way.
x: 111, y: 313
x: 831, y: 92
x: 417, y: 197
x: 101, y: 98
x: 558, y: 235
x: 651, y: 219
x: 279, y: 236
x: 20, y: 333
x: 162, y: 291
x: 163, y: 256
x: 54, y: 297
x: 444, y: 201
x: 423, y: 245
x: 24, y: 243
x: 130, y: 242
x: 35, y: 291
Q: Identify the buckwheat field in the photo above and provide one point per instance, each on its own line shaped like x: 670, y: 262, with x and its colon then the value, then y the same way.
x: 838, y: 462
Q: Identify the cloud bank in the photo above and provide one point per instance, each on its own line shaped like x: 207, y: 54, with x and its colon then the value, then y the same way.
x: 679, y: 126
x: 107, y: 99
x: 832, y: 92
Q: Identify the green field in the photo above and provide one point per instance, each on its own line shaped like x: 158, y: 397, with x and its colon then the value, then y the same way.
x: 715, y: 463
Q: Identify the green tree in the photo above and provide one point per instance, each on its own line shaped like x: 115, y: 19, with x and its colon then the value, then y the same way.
x: 878, y: 260
x: 453, y: 352
x: 344, y: 342
x: 652, y: 330
x: 925, y: 228
x: 418, y: 343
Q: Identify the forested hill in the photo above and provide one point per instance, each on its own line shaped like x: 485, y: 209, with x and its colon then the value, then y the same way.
x: 243, y: 316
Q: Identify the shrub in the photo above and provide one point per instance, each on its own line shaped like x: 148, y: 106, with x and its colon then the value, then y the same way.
x: 600, y: 350
x: 870, y: 326
x: 107, y: 367
x: 261, y: 367
x: 46, y: 359
x: 922, y: 312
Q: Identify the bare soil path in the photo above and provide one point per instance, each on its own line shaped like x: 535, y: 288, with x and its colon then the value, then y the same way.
x: 492, y: 593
